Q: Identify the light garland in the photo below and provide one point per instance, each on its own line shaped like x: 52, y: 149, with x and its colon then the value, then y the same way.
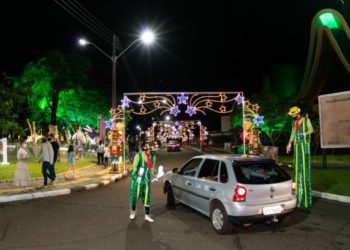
x: 189, y: 103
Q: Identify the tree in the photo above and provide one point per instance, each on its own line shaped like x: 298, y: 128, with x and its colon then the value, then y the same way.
x: 12, y: 105
x: 275, y: 115
x: 48, y: 77
x: 275, y: 112
x: 80, y: 106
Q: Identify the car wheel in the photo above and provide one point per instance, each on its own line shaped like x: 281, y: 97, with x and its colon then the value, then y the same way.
x: 219, y: 219
x: 170, y: 198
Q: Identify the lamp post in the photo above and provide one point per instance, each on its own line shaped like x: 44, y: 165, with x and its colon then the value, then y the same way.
x: 147, y: 37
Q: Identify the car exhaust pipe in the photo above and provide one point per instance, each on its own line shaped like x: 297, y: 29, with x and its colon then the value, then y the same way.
x: 274, y: 219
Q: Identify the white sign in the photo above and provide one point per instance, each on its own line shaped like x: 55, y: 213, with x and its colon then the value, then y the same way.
x: 335, y: 120
x: 4, y: 152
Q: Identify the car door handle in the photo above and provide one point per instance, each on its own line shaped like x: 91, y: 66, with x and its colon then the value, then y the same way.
x: 188, y: 183
x: 197, y: 185
x: 212, y: 189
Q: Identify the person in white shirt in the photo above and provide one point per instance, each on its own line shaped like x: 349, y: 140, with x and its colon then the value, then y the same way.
x: 100, y: 151
x: 22, y: 175
x: 46, y: 156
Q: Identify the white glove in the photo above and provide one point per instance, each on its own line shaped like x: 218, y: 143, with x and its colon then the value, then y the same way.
x: 288, y: 148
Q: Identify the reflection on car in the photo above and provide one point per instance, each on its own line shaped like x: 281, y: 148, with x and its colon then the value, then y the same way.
x: 230, y: 188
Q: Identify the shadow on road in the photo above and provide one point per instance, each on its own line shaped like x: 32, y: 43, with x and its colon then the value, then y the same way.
x: 191, y: 217
x: 141, y: 237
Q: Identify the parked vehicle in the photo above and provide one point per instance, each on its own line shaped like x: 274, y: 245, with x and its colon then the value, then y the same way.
x: 173, y: 145
x: 229, y: 188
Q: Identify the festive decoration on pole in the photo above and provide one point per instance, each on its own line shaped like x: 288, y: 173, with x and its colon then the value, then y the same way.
x: 252, y: 120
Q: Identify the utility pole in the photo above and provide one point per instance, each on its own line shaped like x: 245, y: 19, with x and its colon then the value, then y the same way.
x: 114, y: 72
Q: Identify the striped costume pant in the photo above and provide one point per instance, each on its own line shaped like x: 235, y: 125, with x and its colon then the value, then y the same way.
x: 302, y: 168
x: 140, y: 188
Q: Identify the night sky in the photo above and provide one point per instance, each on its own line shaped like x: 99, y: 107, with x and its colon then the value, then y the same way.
x: 220, y: 45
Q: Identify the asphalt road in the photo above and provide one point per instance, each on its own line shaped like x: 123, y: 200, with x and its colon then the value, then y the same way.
x: 99, y: 219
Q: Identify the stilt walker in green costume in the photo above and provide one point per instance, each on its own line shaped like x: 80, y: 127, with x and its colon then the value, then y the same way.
x: 300, y: 137
x: 140, y: 185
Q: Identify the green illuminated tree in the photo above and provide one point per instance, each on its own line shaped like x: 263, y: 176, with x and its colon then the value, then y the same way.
x: 48, y: 77
x: 80, y: 106
x: 275, y: 112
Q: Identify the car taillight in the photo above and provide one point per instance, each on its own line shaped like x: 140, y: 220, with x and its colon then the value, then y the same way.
x: 293, y: 187
x: 239, y: 194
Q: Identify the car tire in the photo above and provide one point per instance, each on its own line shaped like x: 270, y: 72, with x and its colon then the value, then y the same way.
x: 170, y: 198
x: 219, y: 219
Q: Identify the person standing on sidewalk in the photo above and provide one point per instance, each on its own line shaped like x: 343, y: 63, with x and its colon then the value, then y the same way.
x: 141, y: 182
x: 106, y: 156
x: 70, y: 161
x: 46, y: 157
x: 300, y: 137
x: 56, y: 151
x: 22, y: 175
x: 100, y: 152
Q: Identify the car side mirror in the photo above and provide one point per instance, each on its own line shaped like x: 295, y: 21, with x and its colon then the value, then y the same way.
x: 176, y: 170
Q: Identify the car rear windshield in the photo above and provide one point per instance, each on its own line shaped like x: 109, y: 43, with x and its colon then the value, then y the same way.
x: 174, y: 142
x: 259, y: 173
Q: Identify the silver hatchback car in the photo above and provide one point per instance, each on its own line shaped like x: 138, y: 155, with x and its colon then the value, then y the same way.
x: 231, y: 188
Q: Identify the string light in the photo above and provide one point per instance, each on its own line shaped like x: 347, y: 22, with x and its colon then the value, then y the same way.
x: 222, y: 103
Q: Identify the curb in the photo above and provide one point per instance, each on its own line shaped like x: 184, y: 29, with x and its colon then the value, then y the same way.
x: 75, y: 189
x: 332, y: 197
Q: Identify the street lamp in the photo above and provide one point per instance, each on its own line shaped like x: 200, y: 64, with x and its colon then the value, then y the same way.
x: 146, y: 37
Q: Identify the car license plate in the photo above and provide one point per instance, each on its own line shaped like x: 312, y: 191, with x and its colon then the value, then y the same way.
x: 272, y: 210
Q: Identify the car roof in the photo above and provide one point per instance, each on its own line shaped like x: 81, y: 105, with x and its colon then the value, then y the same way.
x: 235, y: 157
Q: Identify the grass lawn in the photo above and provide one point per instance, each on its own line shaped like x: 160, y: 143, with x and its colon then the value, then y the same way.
x: 288, y: 159
x: 7, y: 172
x: 334, y: 181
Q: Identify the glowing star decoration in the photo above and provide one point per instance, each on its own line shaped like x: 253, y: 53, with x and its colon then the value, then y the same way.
x: 142, y: 97
x: 125, y: 102
x: 208, y: 104
x: 259, y: 119
x: 239, y: 99
x: 182, y: 99
x: 174, y: 110
x: 109, y: 124
x: 143, y: 110
x: 191, y: 110
x: 223, y: 97
x: 156, y: 104
x: 222, y: 109
x: 255, y: 107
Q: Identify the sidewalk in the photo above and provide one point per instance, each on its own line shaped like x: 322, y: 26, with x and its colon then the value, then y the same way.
x: 89, y: 177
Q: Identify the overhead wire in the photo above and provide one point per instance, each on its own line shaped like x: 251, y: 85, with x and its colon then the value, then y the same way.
x: 97, y: 21
x: 91, y: 25
x: 83, y: 21
x: 95, y: 25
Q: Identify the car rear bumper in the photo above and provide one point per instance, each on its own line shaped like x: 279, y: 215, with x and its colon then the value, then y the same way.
x: 173, y: 148
x: 258, y: 218
x: 237, y: 210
